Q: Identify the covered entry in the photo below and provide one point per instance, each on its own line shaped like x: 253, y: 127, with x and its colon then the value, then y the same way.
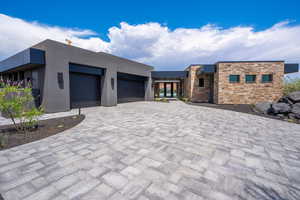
x: 130, y: 88
x: 168, y: 84
x: 85, y: 86
x: 167, y: 89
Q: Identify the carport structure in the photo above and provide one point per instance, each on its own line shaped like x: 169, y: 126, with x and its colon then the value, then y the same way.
x: 70, y: 77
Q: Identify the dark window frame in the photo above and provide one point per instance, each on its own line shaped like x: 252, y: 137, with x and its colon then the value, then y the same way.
x: 233, y: 80
x: 201, y: 82
x: 21, y: 75
x: 270, y: 79
x: 250, y: 81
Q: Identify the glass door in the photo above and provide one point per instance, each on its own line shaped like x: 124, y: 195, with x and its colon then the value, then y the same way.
x: 168, y: 89
x: 161, y: 90
x: 174, y: 89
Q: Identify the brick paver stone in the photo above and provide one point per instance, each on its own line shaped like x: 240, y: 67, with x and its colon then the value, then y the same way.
x: 156, y: 151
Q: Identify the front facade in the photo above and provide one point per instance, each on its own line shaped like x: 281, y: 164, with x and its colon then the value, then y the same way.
x: 248, y: 82
x: 65, y: 77
x: 236, y: 82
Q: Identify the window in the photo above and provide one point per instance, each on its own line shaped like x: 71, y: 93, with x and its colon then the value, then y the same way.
x: 250, y: 78
x: 112, y: 82
x: 15, y: 76
x: 267, y: 78
x: 201, y: 82
x: 234, y: 78
x: 21, y: 75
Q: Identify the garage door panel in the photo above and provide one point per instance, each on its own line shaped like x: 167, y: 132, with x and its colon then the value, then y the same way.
x: 85, y: 90
x: 130, y: 90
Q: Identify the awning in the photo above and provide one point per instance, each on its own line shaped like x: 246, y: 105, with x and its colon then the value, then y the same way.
x: 169, y: 74
x: 29, y: 57
x: 291, y: 68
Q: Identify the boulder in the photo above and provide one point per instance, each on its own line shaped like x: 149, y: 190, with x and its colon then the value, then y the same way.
x: 294, y: 97
x: 263, y: 107
x: 296, y: 108
x: 285, y: 99
x: 294, y: 116
x: 281, y: 116
x: 280, y: 108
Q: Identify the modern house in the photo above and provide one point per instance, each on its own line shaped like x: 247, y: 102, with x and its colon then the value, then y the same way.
x: 65, y: 77
x: 68, y: 77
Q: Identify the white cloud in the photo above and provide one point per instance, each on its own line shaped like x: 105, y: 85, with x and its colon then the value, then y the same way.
x: 17, y: 34
x: 157, y: 45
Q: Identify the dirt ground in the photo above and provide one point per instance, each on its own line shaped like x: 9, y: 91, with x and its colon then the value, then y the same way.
x: 10, y: 137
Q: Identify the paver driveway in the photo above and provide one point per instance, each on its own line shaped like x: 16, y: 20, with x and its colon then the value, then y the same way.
x: 151, y: 150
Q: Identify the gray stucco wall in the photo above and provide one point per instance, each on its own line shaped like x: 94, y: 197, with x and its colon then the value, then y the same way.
x: 59, y: 55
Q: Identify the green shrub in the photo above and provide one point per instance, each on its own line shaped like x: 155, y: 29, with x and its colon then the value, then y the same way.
x: 18, y: 104
x: 162, y: 100
x: 291, y: 86
x: 184, y: 99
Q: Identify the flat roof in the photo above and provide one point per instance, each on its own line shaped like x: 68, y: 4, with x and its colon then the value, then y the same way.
x: 33, y: 55
x: 30, y: 56
x: 249, y: 61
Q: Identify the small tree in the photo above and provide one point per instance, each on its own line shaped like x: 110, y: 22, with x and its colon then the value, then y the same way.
x: 17, y: 104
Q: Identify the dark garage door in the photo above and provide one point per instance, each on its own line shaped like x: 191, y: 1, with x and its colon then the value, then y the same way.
x: 85, y: 90
x: 130, y: 88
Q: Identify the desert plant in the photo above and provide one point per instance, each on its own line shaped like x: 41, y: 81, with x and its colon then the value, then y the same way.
x: 291, y: 85
x: 18, y: 104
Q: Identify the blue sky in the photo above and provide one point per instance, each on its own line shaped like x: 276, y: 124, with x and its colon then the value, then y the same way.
x: 101, y: 15
x: 166, y: 34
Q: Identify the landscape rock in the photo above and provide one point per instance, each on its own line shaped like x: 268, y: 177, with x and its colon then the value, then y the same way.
x: 294, y: 96
x: 285, y: 99
x: 294, y: 116
x: 263, y: 107
x: 281, y: 116
x: 296, y: 108
x: 286, y: 108
x: 280, y: 108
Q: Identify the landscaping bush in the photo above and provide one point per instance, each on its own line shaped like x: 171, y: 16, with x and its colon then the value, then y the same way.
x: 17, y: 103
x: 291, y: 86
x: 184, y: 99
x: 162, y: 100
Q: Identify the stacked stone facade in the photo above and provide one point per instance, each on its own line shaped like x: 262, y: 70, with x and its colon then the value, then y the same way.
x: 218, y: 87
x: 193, y: 91
x: 248, y: 93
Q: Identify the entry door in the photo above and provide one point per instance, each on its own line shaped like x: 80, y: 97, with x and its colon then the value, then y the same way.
x: 169, y: 90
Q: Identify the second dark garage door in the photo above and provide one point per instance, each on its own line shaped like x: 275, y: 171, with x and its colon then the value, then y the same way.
x: 85, y: 90
x: 130, y: 88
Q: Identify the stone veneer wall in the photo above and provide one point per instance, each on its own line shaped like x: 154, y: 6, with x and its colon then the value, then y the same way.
x: 193, y: 91
x: 248, y: 93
